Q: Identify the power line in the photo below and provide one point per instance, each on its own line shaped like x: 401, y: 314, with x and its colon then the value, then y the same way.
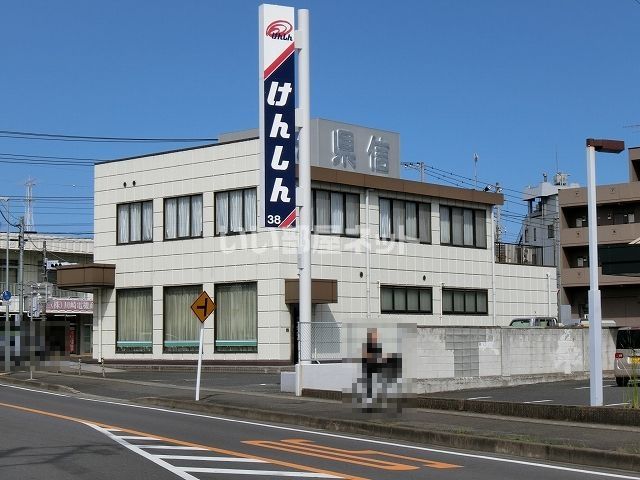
x: 84, y: 138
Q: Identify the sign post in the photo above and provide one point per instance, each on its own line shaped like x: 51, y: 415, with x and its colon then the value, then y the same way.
x: 202, y: 308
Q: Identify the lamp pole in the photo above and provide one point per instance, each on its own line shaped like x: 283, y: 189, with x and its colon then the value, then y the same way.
x: 595, y: 313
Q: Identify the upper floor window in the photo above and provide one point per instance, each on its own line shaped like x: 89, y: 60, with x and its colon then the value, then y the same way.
x: 236, y: 212
x: 183, y: 217
x: 405, y: 221
x: 463, y: 227
x: 405, y: 300
x: 135, y: 222
x: 336, y: 213
x: 464, y: 301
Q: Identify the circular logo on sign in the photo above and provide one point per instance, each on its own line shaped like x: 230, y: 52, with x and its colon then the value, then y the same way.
x: 279, y: 29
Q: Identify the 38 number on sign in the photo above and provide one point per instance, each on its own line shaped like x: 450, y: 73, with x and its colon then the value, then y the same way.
x: 273, y: 220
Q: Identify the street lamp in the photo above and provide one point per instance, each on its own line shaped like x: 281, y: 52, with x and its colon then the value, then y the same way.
x: 595, y: 314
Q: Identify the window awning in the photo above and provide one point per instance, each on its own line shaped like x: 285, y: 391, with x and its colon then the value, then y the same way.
x: 322, y: 291
x: 86, y: 277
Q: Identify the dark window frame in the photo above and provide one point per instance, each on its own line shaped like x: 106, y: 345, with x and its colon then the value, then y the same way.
x: 475, y: 230
x: 164, y: 217
x: 314, y: 215
x: 229, y: 349
x: 215, y: 214
x: 125, y: 350
x: 128, y: 204
x: 393, y: 237
x: 173, y: 350
x: 464, y: 291
x: 406, y: 289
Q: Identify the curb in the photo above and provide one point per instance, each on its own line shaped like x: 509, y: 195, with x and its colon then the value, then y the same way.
x: 555, y: 453
x: 626, y: 417
x: 37, y: 384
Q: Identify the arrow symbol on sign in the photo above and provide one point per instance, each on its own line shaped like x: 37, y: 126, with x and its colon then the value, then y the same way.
x: 204, y: 308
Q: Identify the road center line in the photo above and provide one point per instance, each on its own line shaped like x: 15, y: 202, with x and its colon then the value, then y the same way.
x: 355, y: 439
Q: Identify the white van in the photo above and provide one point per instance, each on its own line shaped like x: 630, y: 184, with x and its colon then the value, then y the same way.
x: 626, y: 365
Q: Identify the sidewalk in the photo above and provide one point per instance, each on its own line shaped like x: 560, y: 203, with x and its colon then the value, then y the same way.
x: 582, y: 443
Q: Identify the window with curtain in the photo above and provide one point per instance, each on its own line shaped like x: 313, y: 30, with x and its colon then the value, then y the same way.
x: 222, y: 213
x: 322, y: 213
x: 385, y: 219
x: 250, y: 210
x: 135, y: 222
x: 416, y: 300
x: 424, y: 222
x: 335, y: 213
x: 183, y: 217
x: 464, y: 301
x: 236, y: 216
x: 181, y: 328
x: 463, y: 227
x: 134, y: 320
x: 236, y: 317
x: 405, y: 221
x: 236, y: 212
x: 352, y: 206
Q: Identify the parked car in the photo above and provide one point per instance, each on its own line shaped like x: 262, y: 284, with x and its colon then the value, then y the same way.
x: 584, y: 322
x: 529, y: 322
x: 626, y: 365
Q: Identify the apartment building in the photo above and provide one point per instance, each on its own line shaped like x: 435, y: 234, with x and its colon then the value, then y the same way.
x: 173, y: 224
x: 618, y: 213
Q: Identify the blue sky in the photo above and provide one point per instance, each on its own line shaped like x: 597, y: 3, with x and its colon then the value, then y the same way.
x: 522, y: 84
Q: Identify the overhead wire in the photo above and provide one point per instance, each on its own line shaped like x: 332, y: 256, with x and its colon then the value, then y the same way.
x: 91, y: 138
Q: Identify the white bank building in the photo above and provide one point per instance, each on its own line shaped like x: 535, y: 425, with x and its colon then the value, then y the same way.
x: 384, y: 250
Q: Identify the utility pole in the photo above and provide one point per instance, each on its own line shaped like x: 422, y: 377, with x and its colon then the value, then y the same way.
x: 20, y: 287
x: 7, y: 324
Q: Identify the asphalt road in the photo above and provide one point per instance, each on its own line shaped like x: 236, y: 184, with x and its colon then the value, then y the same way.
x: 54, y: 436
x: 574, y: 392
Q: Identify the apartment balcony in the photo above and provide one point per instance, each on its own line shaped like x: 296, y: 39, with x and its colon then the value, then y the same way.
x: 579, y: 277
x: 607, y: 234
x: 518, y: 254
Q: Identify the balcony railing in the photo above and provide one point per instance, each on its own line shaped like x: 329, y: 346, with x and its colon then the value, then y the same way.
x: 518, y: 254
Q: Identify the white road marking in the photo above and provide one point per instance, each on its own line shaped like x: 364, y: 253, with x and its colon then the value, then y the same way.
x: 172, y: 447
x: 211, y: 459
x: 273, y: 473
x: 344, y: 437
x: 133, y: 437
x: 158, y: 461
x: 539, y: 401
x: 477, y: 398
x: 616, y: 404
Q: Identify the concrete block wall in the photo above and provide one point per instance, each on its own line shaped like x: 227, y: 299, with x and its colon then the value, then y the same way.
x: 458, y: 352
x: 451, y: 358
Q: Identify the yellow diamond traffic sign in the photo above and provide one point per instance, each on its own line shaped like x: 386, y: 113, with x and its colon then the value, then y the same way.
x: 203, y: 306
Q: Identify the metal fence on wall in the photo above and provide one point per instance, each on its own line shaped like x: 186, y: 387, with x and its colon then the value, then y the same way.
x: 324, y: 339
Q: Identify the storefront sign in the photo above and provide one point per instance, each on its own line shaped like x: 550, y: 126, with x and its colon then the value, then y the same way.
x: 69, y: 305
x: 353, y: 148
x: 277, y: 116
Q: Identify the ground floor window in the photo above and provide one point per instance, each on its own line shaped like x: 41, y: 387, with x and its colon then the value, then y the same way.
x: 181, y: 327
x: 134, y: 321
x: 236, y: 314
x: 464, y: 301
